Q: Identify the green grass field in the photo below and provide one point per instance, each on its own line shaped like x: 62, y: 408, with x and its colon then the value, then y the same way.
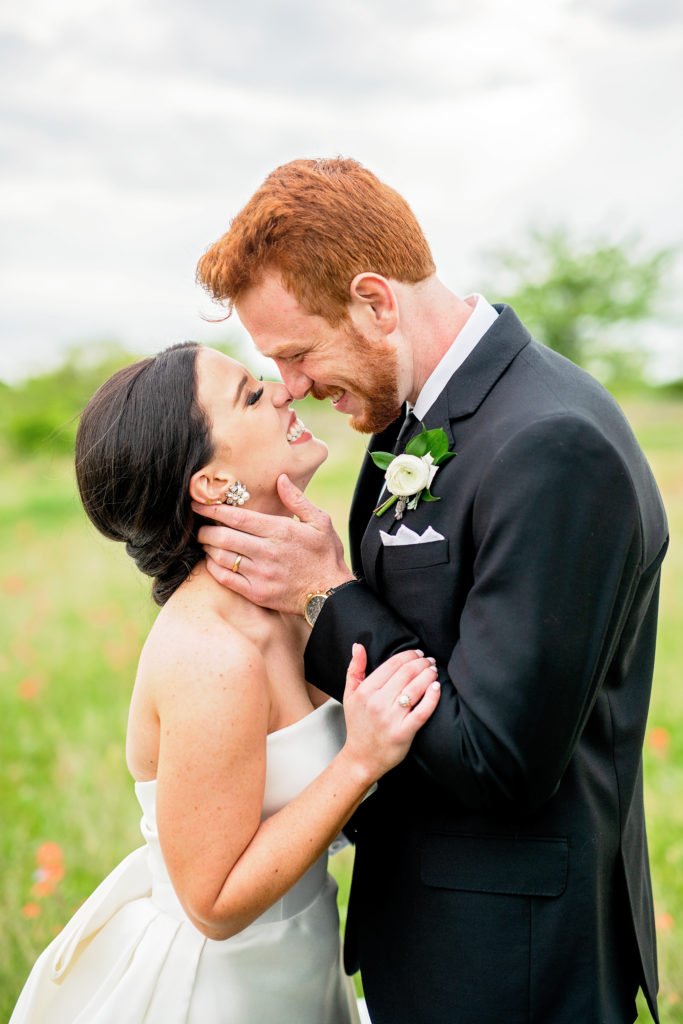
x: 74, y: 615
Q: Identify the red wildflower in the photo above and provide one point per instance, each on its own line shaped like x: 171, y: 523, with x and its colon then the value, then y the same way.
x: 30, y: 687
x: 659, y: 741
x: 664, y: 922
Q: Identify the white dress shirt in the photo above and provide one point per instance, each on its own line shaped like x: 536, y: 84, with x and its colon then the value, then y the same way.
x: 481, y: 318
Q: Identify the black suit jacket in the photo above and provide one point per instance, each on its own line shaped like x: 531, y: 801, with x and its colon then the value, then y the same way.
x: 502, y: 871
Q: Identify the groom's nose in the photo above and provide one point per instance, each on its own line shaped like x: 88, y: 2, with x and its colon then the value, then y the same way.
x: 297, y: 383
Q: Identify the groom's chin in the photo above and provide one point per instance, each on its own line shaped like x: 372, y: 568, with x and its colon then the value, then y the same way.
x: 376, y: 418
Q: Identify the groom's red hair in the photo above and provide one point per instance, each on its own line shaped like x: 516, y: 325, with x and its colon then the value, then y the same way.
x: 319, y: 223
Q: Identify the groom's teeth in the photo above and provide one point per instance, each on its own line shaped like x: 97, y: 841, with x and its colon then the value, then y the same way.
x: 295, y: 432
x: 334, y: 398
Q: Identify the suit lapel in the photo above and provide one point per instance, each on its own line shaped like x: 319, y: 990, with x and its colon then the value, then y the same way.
x: 462, y: 396
x: 486, y: 364
x: 368, y: 486
x: 370, y: 546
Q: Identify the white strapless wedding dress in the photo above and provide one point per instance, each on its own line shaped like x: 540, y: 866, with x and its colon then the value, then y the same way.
x: 130, y: 954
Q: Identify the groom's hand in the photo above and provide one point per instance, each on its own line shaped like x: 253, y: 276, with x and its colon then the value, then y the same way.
x: 283, y: 560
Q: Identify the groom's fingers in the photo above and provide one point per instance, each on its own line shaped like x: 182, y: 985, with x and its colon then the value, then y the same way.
x: 226, y: 577
x: 294, y: 500
x: 257, y: 524
x: 221, y: 542
x: 260, y: 524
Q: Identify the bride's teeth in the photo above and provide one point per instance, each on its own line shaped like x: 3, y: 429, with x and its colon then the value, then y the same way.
x: 295, y: 431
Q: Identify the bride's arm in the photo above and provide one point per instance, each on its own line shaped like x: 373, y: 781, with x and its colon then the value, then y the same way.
x: 226, y: 866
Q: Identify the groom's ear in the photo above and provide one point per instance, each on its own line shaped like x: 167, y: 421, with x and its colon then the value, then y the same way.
x: 373, y: 306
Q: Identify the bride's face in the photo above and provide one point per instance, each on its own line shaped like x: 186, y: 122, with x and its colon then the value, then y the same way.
x: 256, y: 435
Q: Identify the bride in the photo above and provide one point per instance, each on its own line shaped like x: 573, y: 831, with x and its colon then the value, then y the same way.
x: 245, y: 773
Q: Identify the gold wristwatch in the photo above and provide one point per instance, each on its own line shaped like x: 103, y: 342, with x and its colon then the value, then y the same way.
x: 316, y: 600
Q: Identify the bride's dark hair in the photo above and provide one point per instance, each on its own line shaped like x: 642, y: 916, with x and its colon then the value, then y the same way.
x: 141, y: 438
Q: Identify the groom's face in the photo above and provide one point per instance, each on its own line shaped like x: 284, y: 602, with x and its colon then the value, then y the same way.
x: 359, y: 375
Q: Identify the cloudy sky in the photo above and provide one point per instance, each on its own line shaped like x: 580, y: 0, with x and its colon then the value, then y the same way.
x: 133, y: 130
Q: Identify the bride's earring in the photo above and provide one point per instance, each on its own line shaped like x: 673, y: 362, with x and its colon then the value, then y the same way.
x: 236, y: 494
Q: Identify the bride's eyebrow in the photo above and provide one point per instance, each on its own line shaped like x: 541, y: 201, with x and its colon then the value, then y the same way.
x: 240, y: 389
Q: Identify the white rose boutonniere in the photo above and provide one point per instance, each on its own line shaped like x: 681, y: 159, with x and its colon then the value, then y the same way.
x: 410, y: 475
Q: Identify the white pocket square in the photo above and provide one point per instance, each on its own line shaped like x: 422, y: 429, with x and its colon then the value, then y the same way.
x: 405, y: 536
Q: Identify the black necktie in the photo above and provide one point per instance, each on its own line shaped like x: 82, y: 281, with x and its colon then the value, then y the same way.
x: 405, y: 434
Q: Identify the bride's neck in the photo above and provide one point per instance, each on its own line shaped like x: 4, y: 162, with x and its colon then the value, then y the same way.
x: 226, y: 602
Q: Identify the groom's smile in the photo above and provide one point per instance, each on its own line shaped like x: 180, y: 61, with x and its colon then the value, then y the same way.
x: 357, y: 374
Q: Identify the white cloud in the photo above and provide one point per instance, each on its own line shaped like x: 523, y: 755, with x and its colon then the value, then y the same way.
x: 134, y: 129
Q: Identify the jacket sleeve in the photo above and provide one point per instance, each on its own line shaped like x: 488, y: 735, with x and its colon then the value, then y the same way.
x: 557, y: 541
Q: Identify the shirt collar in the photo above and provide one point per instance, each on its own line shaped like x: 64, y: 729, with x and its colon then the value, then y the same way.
x: 482, y: 317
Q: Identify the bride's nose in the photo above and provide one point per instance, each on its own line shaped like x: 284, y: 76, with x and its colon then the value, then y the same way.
x: 280, y: 395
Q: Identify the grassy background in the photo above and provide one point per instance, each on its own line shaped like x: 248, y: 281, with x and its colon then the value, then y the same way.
x: 74, y: 615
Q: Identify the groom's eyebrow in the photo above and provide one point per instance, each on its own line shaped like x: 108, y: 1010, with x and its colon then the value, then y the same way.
x: 240, y: 389
x: 286, y: 350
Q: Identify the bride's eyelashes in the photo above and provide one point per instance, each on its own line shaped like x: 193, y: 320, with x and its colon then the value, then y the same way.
x: 255, y: 395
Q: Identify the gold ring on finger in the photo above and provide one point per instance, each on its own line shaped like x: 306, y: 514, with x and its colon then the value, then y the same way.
x: 236, y: 566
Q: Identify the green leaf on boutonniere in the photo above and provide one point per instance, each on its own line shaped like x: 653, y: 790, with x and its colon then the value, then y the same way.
x: 426, y: 495
x: 382, y: 459
x: 433, y: 441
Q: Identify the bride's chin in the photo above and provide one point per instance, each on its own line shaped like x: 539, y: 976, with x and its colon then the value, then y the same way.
x: 321, y: 456
x: 317, y: 453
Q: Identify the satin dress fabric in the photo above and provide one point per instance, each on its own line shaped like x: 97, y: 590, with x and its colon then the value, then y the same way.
x: 131, y: 954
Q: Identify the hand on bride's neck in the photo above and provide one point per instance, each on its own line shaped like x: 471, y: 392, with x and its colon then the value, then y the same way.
x: 269, y: 505
x: 226, y: 601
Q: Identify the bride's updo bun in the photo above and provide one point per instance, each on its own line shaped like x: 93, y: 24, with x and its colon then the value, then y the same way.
x: 141, y: 438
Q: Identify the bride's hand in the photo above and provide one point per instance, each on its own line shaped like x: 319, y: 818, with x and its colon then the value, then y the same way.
x: 385, y: 709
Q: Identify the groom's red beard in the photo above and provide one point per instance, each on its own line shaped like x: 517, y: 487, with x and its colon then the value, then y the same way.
x: 374, y: 368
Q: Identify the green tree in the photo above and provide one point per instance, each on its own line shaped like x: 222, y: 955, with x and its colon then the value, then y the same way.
x: 585, y: 300
x: 40, y: 415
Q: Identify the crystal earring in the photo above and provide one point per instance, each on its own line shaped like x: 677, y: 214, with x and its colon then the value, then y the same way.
x: 236, y: 494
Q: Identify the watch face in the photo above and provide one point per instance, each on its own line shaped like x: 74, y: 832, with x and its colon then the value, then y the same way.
x: 313, y: 606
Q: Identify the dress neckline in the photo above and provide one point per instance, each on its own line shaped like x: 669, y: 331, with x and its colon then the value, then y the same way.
x: 277, y: 732
x: 300, y: 721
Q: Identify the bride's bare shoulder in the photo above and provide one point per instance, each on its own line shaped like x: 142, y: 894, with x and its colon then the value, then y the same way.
x: 191, y: 639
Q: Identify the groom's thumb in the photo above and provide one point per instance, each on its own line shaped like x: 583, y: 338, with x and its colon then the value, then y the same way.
x: 293, y: 499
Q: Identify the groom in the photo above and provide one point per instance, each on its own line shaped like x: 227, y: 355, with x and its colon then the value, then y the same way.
x: 501, y: 871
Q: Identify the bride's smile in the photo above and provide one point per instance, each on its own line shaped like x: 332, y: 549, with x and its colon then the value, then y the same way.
x: 255, y: 434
